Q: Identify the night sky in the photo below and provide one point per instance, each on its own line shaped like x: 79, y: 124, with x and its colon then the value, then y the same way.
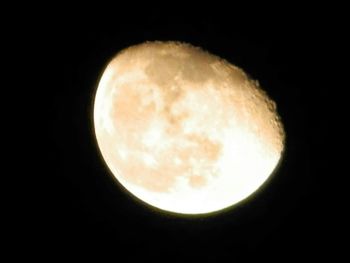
x: 86, y: 211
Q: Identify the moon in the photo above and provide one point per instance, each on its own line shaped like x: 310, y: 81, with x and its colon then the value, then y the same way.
x: 184, y: 130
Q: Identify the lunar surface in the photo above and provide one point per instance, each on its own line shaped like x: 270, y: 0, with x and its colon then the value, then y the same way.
x: 184, y: 130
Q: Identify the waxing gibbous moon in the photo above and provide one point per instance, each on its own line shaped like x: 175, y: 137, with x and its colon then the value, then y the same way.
x: 184, y: 130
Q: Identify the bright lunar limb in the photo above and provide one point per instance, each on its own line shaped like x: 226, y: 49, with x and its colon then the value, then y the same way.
x: 184, y: 130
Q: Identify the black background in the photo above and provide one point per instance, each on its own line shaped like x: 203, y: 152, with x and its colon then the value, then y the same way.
x: 85, y: 211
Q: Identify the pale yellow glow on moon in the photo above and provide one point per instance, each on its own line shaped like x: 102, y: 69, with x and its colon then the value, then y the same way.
x: 184, y: 130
